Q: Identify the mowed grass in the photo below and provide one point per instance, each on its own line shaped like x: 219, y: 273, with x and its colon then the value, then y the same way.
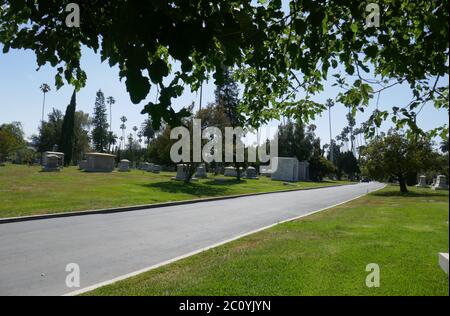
x: 28, y: 191
x: 323, y: 254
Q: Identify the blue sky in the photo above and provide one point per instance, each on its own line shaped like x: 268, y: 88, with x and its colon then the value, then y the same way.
x: 21, y: 98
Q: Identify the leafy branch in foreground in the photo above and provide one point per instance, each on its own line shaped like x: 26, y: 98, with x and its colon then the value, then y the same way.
x: 278, y: 52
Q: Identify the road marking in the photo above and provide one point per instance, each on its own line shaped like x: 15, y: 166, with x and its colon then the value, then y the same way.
x: 195, y: 252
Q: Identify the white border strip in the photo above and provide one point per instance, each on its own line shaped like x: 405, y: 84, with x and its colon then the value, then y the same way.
x: 195, y: 252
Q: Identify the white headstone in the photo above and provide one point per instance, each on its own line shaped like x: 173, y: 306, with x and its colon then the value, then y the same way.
x: 422, y: 182
x: 441, y: 183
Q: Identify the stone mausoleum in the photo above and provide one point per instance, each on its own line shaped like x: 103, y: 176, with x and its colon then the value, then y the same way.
x: 289, y: 169
x: 99, y: 162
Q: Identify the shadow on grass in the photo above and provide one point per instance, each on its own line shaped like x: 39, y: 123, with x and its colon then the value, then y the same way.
x: 409, y: 194
x: 195, y: 189
x: 223, y: 181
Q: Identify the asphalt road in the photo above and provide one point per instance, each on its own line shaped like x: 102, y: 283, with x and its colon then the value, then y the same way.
x: 34, y: 254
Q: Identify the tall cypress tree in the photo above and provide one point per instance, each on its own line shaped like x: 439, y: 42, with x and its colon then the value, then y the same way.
x: 100, y: 123
x: 67, y: 133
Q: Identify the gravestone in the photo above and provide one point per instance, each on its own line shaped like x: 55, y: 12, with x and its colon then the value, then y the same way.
x: 285, y: 169
x: 230, y: 172
x: 99, y: 162
x: 51, y: 163
x: 303, y: 171
x: 124, y: 165
x: 422, y: 182
x: 443, y: 261
x: 156, y: 168
x: 182, y: 171
x: 59, y: 155
x: 251, y: 173
x: 82, y: 164
x: 149, y: 167
x: 265, y: 171
x: 441, y: 183
x: 201, y: 172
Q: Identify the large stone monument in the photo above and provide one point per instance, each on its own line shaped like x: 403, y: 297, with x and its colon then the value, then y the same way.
x: 98, y: 162
x: 59, y: 155
x: 51, y: 163
x: 124, y: 165
x: 251, y: 173
x: 285, y: 169
x: 441, y: 183
x: 422, y: 182
x: 201, y: 172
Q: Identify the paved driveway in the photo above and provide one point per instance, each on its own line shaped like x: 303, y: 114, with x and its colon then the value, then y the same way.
x: 34, y: 254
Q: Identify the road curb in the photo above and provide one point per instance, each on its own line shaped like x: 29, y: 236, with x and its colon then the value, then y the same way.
x: 151, y: 206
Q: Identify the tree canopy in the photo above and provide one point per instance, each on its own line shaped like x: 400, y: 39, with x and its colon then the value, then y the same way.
x: 397, y: 156
x: 278, y: 51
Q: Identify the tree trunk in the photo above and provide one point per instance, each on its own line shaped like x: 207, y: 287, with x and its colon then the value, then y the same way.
x: 402, y: 182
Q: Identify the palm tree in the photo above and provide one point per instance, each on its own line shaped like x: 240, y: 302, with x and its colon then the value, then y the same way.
x: 135, y: 129
x: 110, y: 101
x: 112, y: 140
x: 44, y: 88
x: 330, y: 104
x: 123, y: 127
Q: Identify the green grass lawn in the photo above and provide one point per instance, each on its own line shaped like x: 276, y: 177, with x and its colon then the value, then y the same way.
x: 323, y: 254
x: 28, y: 191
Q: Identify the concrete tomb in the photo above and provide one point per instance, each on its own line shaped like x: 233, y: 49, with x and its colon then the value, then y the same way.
x: 53, y: 153
x: 124, y: 165
x: 285, y: 169
x: 98, y: 162
x: 303, y: 171
x: 441, y: 183
x: 422, y: 182
x: 51, y: 163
